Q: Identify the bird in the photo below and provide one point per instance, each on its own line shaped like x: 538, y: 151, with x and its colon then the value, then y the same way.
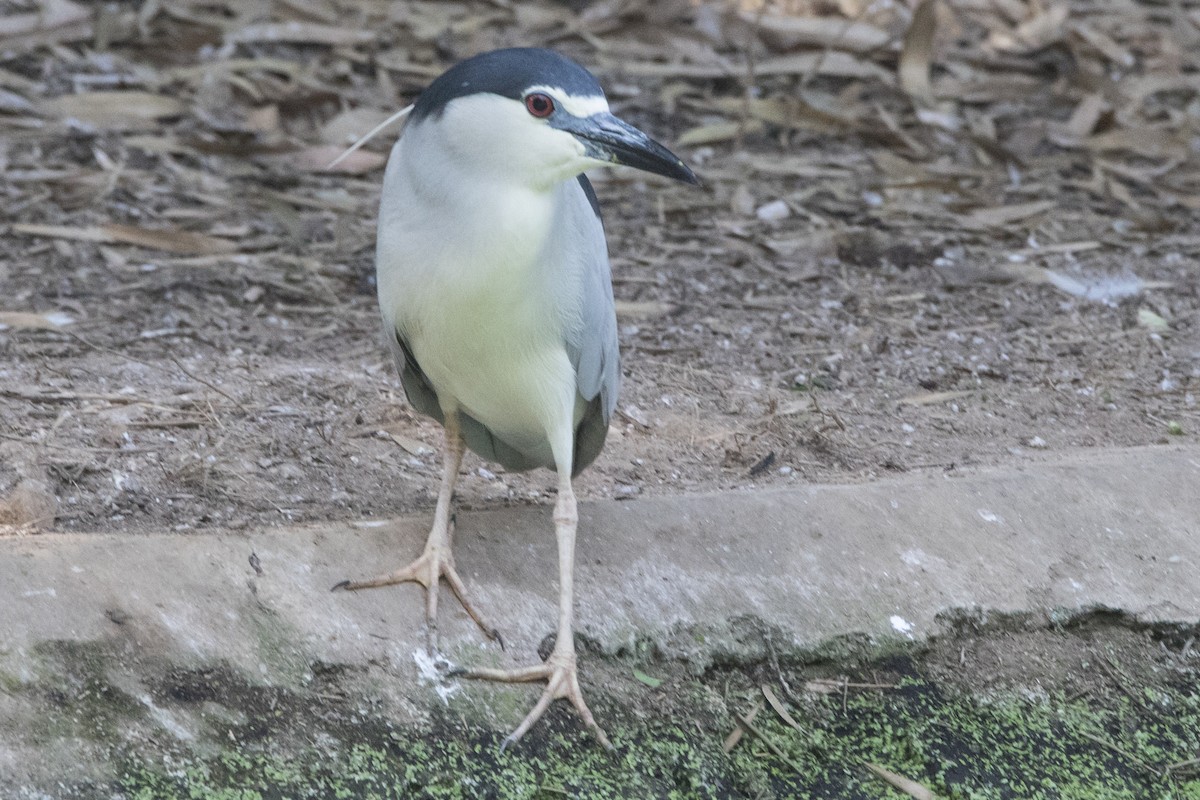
x: 495, y: 291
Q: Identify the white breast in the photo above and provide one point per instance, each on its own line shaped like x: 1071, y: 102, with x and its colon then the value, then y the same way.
x: 487, y: 332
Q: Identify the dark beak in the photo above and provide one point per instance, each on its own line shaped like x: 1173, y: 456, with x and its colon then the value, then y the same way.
x: 610, y: 139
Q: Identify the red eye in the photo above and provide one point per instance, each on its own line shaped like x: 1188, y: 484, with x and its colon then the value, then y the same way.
x: 540, y: 105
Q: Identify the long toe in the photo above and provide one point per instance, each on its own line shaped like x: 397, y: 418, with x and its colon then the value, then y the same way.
x: 426, y: 570
x: 562, y: 682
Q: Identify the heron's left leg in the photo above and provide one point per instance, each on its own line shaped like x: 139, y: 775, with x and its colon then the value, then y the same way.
x: 437, y: 560
x: 559, y: 671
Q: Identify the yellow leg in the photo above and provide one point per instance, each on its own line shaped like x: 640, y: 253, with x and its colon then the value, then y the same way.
x: 437, y: 560
x: 559, y: 670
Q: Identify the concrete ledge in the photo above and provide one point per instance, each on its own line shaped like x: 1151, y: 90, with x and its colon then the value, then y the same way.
x: 1115, y: 529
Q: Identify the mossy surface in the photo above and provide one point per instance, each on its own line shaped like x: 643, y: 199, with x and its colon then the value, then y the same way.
x: 1096, y: 712
x: 1017, y: 745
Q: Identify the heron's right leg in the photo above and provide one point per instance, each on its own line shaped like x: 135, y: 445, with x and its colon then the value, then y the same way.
x: 437, y: 561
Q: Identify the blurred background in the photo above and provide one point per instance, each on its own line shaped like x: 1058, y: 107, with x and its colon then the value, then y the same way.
x: 929, y: 237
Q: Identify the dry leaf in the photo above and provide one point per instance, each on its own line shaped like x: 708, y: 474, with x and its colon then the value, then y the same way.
x: 903, y: 784
x: 320, y: 158
x: 1137, y: 89
x: 346, y: 128
x: 769, y: 693
x: 1097, y: 288
x: 786, y: 112
x: 1148, y: 142
x: 303, y: 33
x: 1083, y: 121
x: 55, y: 21
x: 13, y: 103
x: 410, y: 445
x: 916, y: 56
x: 836, y: 64
x: 824, y: 686
x: 736, y: 735
x: 999, y: 216
x: 717, y: 132
x: 115, y: 110
x: 1152, y: 321
x: 789, y: 32
x: 1105, y: 45
x: 171, y: 240
x: 264, y: 119
x: 1043, y: 29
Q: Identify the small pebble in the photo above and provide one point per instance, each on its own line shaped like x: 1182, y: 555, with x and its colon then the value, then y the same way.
x: 773, y: 211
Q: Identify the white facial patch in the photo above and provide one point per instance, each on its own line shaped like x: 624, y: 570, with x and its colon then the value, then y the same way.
x: 576, y: 106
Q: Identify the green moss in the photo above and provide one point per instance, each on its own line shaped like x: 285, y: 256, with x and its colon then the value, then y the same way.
x: 10, y: 683
x: 1010, y: 748
x: 329, y: 739
x: 80, y: 701
x: 277, y: 646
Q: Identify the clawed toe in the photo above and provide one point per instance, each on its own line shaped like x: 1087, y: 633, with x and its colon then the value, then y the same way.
x: 435, y: 563
x: 562, y: 681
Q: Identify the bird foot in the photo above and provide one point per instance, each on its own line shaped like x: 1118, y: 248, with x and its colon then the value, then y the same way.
x: 562, y: 681
x: 436, y: 562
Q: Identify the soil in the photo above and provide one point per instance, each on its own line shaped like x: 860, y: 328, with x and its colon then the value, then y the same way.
x: 872, y: 330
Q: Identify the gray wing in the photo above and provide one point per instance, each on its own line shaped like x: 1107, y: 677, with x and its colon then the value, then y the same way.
x: 592, y: 345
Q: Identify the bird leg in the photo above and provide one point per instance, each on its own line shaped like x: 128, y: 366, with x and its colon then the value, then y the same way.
x: 559, y: 671
x: 437, y: 561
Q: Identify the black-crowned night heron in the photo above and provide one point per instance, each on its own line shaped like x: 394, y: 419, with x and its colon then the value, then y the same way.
x: 497, y: 300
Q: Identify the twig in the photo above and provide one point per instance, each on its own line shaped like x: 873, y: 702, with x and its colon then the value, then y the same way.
x: 736, y: 734
x: 751, y: 77
x: 762, y: 737
x: 1116, y: 749
x: 1182, y: 765
x: 173, y: 360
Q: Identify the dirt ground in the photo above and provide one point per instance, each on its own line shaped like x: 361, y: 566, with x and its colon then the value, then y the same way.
x: 929, y: 298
